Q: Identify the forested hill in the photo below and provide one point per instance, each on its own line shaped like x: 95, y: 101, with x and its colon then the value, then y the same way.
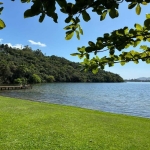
x: 32, y: 66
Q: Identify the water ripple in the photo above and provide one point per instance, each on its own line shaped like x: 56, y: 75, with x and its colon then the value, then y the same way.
x: 124, y: 98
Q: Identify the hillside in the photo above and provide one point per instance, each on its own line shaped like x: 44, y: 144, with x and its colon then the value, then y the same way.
x: 32, y: 66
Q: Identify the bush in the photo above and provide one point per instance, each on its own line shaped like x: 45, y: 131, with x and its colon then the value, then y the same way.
x: 35, y: 79
x: 50, y: 79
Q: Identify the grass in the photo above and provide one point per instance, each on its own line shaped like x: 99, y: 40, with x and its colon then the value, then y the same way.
x: 27, y: 125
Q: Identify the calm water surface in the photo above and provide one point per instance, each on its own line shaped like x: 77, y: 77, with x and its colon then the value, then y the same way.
x: 124, y: 98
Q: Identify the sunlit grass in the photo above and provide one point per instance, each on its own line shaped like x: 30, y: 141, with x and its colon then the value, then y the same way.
x: 27, y: 125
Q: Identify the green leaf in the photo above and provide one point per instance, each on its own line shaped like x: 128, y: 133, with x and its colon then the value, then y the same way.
x: 85, y: 16
x: 87, y: 56
x: 136, y: 61
x: 55, y: 17
x: 144, y: 47
x: 89, y: 49
x: 148, y: 16
x: 132, y: 52
x: 126, y: 30
x: 62, y: 3
x: 1, y: 9
x: 80, y: 56
x: 2, y: 24
x: 1, y: 3
x: 138, y: 9
x: 147, y: 23
x: 144, y: 3
x: 111, y: 64
x: 148, y: 61
x: 122, y: 63
x: 68, y: 19
x: 143, y: 55
x: 138, y: 27
x: 132, y: 5
x: 127, y: 46
x: 78, y: 36
x: 95, y: 70
x: 113, y: 13
x: 25, y: 1
x: 75, y: 54
x: 148, y: 39
x: 42, y: 17
x: 28, y: 13
x: 92, y: 44
x: 69, y: 35
x: 82, y: 49
x: 77, y: 20
x: 140, y: 37
x: 103, y: 15
x: 136, y: 43
x: 95, y: 53
x: 80, y: 30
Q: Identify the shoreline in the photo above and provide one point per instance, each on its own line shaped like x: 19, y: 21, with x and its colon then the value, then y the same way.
x: 46, y: 102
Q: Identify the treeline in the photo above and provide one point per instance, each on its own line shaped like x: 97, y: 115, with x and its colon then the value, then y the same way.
x: 32, y: 66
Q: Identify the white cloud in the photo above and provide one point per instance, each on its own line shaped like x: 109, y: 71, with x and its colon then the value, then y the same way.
x: 20, y: 46
x: 1, y: 40
x: 37, y: 43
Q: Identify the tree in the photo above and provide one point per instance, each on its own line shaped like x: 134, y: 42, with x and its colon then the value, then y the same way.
x: 118, y: 40
x: 50, y: 78
x: 35, y: 79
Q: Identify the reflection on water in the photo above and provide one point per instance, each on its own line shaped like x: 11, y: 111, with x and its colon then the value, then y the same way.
x: 124, y: 98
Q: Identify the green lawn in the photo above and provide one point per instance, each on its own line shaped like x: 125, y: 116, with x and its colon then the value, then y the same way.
x: 27, y: 125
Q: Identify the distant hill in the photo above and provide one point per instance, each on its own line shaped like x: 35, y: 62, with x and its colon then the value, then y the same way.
x: 143, y: 78
x: 32, y: 66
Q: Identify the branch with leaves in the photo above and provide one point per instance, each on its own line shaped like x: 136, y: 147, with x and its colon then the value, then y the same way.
x: 118, y: 40
x: 2, y: 24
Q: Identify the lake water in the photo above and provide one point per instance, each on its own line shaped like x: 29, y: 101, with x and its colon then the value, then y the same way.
x: 123, y: 98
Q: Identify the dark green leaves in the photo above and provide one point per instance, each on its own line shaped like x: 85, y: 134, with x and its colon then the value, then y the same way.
x: 34, y: 10
x: 92, y: 44
x: 86, y: 16
x: 1, y: 9
x: 62, y: 3
x: 147, y: 23
x: 132, y: 5
x: 42, y: 17
x: 41, y: 7
x: 74, y: 27
x: 118, y: 40
x: 28, y: 13
x: 25, y: 1
x: 113, y: 13
x: 68, y: 19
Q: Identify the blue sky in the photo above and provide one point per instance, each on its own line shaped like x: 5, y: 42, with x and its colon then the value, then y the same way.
x: 49, y: 37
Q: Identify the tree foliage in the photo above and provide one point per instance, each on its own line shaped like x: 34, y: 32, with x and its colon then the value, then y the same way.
x: 118, y: 40
x: 25, y: 65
